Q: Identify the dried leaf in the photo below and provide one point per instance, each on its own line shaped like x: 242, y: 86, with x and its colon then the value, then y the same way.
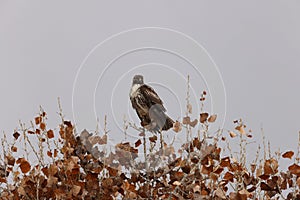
x: 75, y: 190
x: 49, y: 153
x: 16, y: 135
x: 288, y: 154
x: 186, y: 120
x: 38, y: 120
x: 103, y: 140
x: 265, y: 186
x: 68, y: 124
x: 112, y: 171
x: 212, y: 118
x: 37, y: 131
x: 14, y: 149
x: 298, y: 181
x: 270, y: 166
x: 294, y: 169
x: 55, y: 153
x: 228, y: 176
x: 241, y: 129
x: 142, y: 134
x: 220, y: 193
x: 203, y: 117
x: 153, y: 138
x: 10, y: 160
x: 25, y: 166
x: 138, y: 143
x: 225, y: 162
x: 176, y: 183
x: 95, y: 139
x: 189, y: 108
x: 193, y: 123
x: 232, y: 134
x: 177, y: 127
x: 42, y: 126
x: 3, y: 180
x: 50, y: 134
x: 52, y: 181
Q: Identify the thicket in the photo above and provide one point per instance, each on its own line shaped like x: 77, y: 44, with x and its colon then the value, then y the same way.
x: 44, y: 163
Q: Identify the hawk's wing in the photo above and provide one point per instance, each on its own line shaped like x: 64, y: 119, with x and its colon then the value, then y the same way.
x: 151, y: 96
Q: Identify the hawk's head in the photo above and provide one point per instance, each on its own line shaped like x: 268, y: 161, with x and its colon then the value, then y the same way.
x: 138, y: 79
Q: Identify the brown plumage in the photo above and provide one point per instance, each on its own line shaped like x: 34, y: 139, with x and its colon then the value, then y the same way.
x: 149, y: 107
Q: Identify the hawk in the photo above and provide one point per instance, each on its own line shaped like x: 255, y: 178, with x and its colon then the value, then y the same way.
x: 148, y: 106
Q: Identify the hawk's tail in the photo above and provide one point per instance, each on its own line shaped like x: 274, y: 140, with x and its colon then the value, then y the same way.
x: 168, y: 124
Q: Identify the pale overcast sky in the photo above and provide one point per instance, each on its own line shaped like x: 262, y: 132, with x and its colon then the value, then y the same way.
x: 255, y: 45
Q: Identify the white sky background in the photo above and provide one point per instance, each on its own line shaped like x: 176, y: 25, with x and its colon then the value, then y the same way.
x: 255, y: 44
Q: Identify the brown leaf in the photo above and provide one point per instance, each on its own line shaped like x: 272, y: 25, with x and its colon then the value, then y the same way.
x: 186, y: 168
x: 10, y: 160
x: 142, y: 134
x: 176, y: 176
x: 232, y: 134
x: 253, y: 167
x: 207, y: 169
x: 193, y: 123
x: 55, y: 153
x: 264, y: 176
x: 189, y: 108
x: 220, y: 193
x: 237, y: 196
x: 49, y: 153
x: 264, y: 186
x: 75, y: 190
x: 138, y: 143
x: 212, y: 118
x: 241, y: 129
x: 186, y: 120
x: 177, y: 183
x: 103, y: 140
x: 14, y: 149
x: 288, y: 154
x: 203, y: 117
x: 16, y: 135
x: 68, y: 124
x: 197, y: 143
x: 25, y: 166
x: 112, y: 171
x: 51, y: 181
x: 153, y: 138
x: 270, y: 166
x: 37, y: 131
x: 52, y: 170
x: 50, y: 134
x: 298, y: 181
x: 94, y: 139
x: 225, y: 162
x: 38, y: 120
x: 294, y: 169
x: 228, y: 176
x: 42, y: 126
x: 3, y: 180
x: 177, y: 126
